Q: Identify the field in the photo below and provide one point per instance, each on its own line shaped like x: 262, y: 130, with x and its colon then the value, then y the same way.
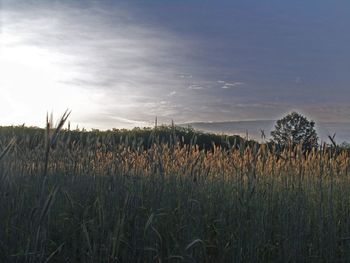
x: 106, y: 197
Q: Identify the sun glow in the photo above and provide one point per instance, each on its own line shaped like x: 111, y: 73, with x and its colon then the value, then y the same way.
x: 35, y: 80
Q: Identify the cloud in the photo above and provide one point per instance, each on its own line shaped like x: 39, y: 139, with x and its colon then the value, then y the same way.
x: 228, y: 85
x: 101, y: 61
x: 195, y: 87
x: 135, y: 61
x: 185, y: 76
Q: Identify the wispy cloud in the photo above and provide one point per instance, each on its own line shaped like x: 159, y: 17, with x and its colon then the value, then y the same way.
x: 228, y: 85
x: 195, y: 87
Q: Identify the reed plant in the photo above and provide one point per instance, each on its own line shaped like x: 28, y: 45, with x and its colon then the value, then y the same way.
x: 170, y: 202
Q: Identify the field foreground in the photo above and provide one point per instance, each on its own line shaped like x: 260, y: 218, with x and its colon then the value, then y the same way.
x: 93, y: 200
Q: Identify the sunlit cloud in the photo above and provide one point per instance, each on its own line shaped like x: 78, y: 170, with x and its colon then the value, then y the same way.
x: 94, y: 63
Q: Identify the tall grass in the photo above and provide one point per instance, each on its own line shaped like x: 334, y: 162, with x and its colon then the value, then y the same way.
x: 107, y: 202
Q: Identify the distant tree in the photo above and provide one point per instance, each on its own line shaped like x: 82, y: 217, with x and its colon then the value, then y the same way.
x: 295, y: 129
x: 345, y: 145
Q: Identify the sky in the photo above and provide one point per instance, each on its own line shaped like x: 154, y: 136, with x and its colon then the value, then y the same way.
x: 119, y: 64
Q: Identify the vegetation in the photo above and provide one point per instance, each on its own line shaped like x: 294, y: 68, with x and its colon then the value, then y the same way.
x: 295, y: 129
x: 88, y: 197
x: 137, y: 137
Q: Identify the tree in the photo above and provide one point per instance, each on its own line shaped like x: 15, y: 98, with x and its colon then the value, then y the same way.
x: 295, y: 129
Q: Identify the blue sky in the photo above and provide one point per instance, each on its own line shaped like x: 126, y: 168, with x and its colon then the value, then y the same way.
x: 121, y: 63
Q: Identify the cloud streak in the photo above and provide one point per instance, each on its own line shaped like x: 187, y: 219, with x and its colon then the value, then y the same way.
x: 228, y: 85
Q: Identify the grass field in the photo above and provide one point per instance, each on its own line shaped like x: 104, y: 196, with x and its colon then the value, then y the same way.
x: 90, y: 199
